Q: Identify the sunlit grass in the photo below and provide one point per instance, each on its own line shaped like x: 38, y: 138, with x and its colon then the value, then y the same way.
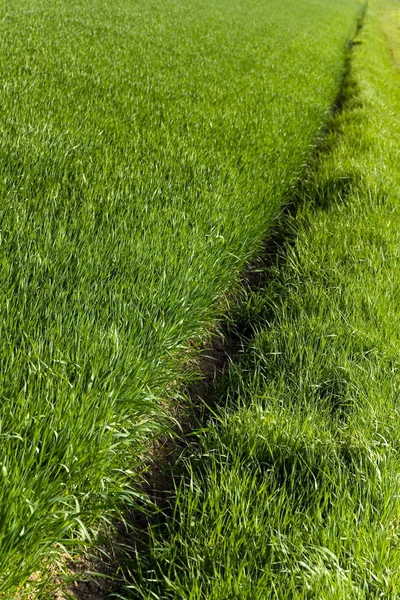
x: 293, y: 489
x: 145, y: 149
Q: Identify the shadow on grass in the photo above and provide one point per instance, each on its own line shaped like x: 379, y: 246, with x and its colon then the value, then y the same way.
x: 204, y: 397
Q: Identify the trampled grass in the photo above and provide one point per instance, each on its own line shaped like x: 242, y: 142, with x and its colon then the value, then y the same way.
x: 293, y: 489
x: 144, y: 150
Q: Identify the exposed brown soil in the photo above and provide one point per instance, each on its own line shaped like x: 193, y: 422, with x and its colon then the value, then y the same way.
x: 211, y: 363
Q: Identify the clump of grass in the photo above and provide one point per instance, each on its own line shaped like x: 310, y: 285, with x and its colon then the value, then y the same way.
x: 292, y: 490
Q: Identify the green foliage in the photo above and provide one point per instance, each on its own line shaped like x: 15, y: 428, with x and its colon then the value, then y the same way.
x: 293, y: 490
x: 145, y: 148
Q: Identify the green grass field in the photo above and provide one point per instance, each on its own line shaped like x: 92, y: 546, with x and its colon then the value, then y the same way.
x: 292, y: 490
x: 145, y: 149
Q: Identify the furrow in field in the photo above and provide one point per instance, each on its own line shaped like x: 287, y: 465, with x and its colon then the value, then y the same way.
x: 292, y: 489
x: 145, y: 150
